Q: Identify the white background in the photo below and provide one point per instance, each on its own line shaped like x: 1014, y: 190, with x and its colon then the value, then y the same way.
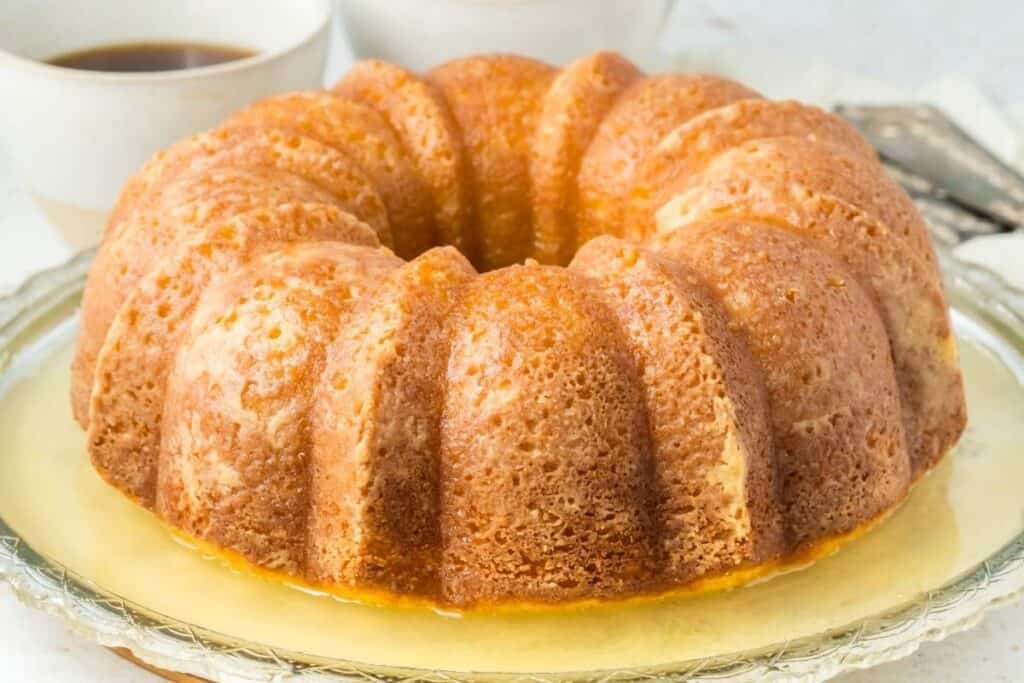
x: 968, y: 56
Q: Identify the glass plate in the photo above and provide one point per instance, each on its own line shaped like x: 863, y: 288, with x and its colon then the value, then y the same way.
x: 986, y: 310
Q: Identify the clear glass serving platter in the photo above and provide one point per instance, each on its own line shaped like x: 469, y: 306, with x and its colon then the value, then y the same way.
x: 73, y: 548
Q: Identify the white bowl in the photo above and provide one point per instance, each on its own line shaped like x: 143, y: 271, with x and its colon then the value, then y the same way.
x: 75, y: 136
x: 422, y: 33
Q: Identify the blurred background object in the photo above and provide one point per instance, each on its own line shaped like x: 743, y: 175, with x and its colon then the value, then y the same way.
x: 422, y: 33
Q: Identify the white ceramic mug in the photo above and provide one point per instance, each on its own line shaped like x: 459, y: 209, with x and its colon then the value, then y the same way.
x: 422, y: 33
x: 75, y: 136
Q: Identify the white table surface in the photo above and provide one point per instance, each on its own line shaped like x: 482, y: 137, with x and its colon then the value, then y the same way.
x: 881, y: 48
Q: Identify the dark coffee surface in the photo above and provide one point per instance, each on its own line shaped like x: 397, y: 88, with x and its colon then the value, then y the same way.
x: 148, y: 57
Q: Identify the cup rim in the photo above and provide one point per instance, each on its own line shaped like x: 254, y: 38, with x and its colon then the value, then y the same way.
x: 322, y: 23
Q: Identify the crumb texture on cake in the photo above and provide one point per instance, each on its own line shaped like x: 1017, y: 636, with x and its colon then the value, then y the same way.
x: 503, y: 333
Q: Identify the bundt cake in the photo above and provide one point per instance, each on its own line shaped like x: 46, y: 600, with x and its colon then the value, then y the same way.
x: 505, y: 333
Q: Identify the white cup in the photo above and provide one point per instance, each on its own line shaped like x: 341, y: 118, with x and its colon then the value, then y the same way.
x: 422, y: 33
x: 75, y: 136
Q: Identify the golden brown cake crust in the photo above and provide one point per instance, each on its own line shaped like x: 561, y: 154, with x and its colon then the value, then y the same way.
x: 707, y: 407
x: 839, y: 444
x: 377, y: 428
x: 647, y: 111
x: 688, y: 149
x: 827, y: 169
x: 544, y: 454
x: 579, y: 98
x: 132, y: 368
x: 359, y: 132
x: 236, y: 441
x: 251, y: 148
x: 158, y: 220
x: 495, y: 101
x: 761, y: 373
x: 422, y: 120
x: 182, y: 209
x: 903, y: 288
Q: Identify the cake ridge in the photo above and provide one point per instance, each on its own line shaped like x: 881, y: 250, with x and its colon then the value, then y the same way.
x: 694, y: 144
x: 707, y: 335
x: 378, y: 410
x: 405, y: 99
x: 649, y: 109
x: 493, y: 99
x: 132, y: 373
x: 579, y: 98
x: 128, y: 250
x: 910, y: 303
x: 362, y: 133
